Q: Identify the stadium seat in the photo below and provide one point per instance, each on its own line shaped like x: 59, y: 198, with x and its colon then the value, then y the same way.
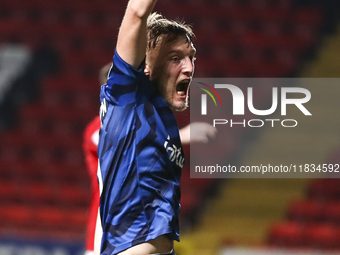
x: 10, y: 192
x: 38, y: 193
x: 286, y: 234
x: 13, y: 215
x: 62, y: 218
x: 73, y: 195
x: 331, y: 213
x: 311, y: 16
x: 324, y: 237
x: 324, y: 189
x: 306, y: 211
x: 50, y: 217
x: 77, y: 218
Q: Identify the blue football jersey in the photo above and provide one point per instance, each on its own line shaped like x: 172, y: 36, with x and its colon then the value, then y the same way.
x: 141, y: 159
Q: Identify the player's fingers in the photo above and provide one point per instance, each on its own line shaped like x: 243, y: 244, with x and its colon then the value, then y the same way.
x: 211, y: 132
x: 204, y: 139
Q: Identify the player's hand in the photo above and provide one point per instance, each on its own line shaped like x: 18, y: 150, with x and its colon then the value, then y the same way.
x: 200, y: 132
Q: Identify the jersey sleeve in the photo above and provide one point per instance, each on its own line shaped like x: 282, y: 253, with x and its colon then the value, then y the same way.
x: 122, y: 83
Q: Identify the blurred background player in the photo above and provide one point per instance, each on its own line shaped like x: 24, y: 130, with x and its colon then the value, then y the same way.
x: 90, y: 143
x: 91, y: 136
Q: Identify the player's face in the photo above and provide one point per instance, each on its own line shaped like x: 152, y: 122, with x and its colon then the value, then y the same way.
x: 171, y: 67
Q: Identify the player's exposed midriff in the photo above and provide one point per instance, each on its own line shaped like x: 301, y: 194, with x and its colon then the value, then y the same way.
x: 161, y: 244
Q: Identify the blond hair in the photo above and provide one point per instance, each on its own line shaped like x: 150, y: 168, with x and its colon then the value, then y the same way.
x: 160, y: 27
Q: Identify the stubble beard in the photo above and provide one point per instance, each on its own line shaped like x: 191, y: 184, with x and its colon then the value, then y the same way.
x: 181, y: 107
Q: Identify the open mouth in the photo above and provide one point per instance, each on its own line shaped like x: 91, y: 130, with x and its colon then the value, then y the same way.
x: 182, y: 87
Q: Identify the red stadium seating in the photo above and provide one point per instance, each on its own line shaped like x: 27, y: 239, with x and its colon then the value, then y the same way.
x: 324, y: 189
x: 13, y: 215
x: 314, y: 223
x: 324, y: 237
x: 306, y: 210
x: 43, y: 162
x: 331, y: 213
x: 287, y: 234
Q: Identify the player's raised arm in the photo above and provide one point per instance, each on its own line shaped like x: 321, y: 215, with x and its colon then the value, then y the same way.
x: 131, y: 43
